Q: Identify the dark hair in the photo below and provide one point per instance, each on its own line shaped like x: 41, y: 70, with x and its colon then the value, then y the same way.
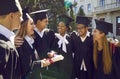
x: 39, y: 17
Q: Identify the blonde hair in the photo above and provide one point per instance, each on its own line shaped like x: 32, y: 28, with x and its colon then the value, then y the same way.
x: 106, y: 58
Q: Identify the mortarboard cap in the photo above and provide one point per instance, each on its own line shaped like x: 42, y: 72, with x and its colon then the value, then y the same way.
x: 26, y: 16
x: 104, y: 26
x: 83, y: 20
x: 7, y: 6
x: 66, y: 19
x: 39, y: 15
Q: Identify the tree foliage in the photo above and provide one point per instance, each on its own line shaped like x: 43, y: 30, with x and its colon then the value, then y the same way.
x: 81, y: 12
x: 56, y: 8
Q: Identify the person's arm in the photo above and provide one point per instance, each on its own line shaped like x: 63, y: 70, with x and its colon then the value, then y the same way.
x: 48, y: 61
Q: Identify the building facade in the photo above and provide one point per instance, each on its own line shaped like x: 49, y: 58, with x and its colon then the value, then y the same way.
x: 106, y: 10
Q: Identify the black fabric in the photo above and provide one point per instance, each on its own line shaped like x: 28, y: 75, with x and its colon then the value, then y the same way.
x: 104, y: 26
x: 30, y: 70
x: 7, y: 6
x: 83, y: 20
x: 10, y: 69
x: 65, y: 66
x: 25, y: 17
x: 116, y: 63
x: 43, y: 45
x: 82, y: 50
x: 40, y: 15
x: 99, y: 73
x: 26, y: 56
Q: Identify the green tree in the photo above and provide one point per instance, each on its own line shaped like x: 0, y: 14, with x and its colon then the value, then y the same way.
x: 81, y: 12
x: 56, y: 8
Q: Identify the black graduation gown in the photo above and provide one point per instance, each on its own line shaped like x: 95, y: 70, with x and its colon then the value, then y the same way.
x: 116, y: 63
x: 43, y: 45
x: 64, y: 66
x: 99, y: 73
x: 82, y: 50
x: 27, y: 57
x: 10, y: 69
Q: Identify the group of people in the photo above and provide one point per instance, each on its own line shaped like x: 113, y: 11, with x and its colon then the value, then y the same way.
x: 36, y: 52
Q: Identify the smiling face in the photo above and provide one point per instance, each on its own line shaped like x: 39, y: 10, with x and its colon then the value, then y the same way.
x: 62, y: 28
x: 97, y: 34
x: 82, y: 30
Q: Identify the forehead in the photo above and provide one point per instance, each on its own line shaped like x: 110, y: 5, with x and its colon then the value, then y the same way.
x: 45, y: 19
x: 96, y: 30
x: 61, y: 23
x: 80, y: 25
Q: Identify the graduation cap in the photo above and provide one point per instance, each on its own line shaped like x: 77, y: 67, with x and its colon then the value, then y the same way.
x: 40, y: 15
x: 83, y: 20
x: 26, y: 16
x: 66, y: 19
x: 7, y: 6
x: 104, y: 26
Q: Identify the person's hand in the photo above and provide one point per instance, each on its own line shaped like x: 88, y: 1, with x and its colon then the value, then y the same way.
x: 45, y: 62
x: 51, y: 54
x: 18, y: 41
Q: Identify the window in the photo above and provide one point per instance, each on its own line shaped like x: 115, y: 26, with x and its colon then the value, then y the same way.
x: 102, y: 3
x: 118, y: 25
x: 82, y: 7
x: 89, y: 7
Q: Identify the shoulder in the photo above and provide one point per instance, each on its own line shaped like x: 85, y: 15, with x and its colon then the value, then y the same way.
x: 74, y: 34
x: 91, y: 36
x: 2, y: 37
x: 49, y: 31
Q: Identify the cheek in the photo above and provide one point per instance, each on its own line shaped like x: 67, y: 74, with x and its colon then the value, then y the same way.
x: 43, y: 24
x: 96, y: 36
x: 30, y: 31
x: 80, y: 31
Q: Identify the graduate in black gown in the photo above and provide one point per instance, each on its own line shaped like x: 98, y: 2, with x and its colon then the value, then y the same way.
x: 102, y: 51
x: 10, y: 12
x: 62, y: 45
x: 82, y: 45
x: 28, y: 54
x: 43, y: 36
x: 116, y: 62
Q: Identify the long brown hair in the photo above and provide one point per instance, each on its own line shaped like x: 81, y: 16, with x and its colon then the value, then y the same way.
x: 106, y: 58
x: 22, y: 32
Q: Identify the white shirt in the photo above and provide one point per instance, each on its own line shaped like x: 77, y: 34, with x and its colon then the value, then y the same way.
x: 7, y: 33
x: 30, y: 40
x: 62, y: 41
x: 42, y: 32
